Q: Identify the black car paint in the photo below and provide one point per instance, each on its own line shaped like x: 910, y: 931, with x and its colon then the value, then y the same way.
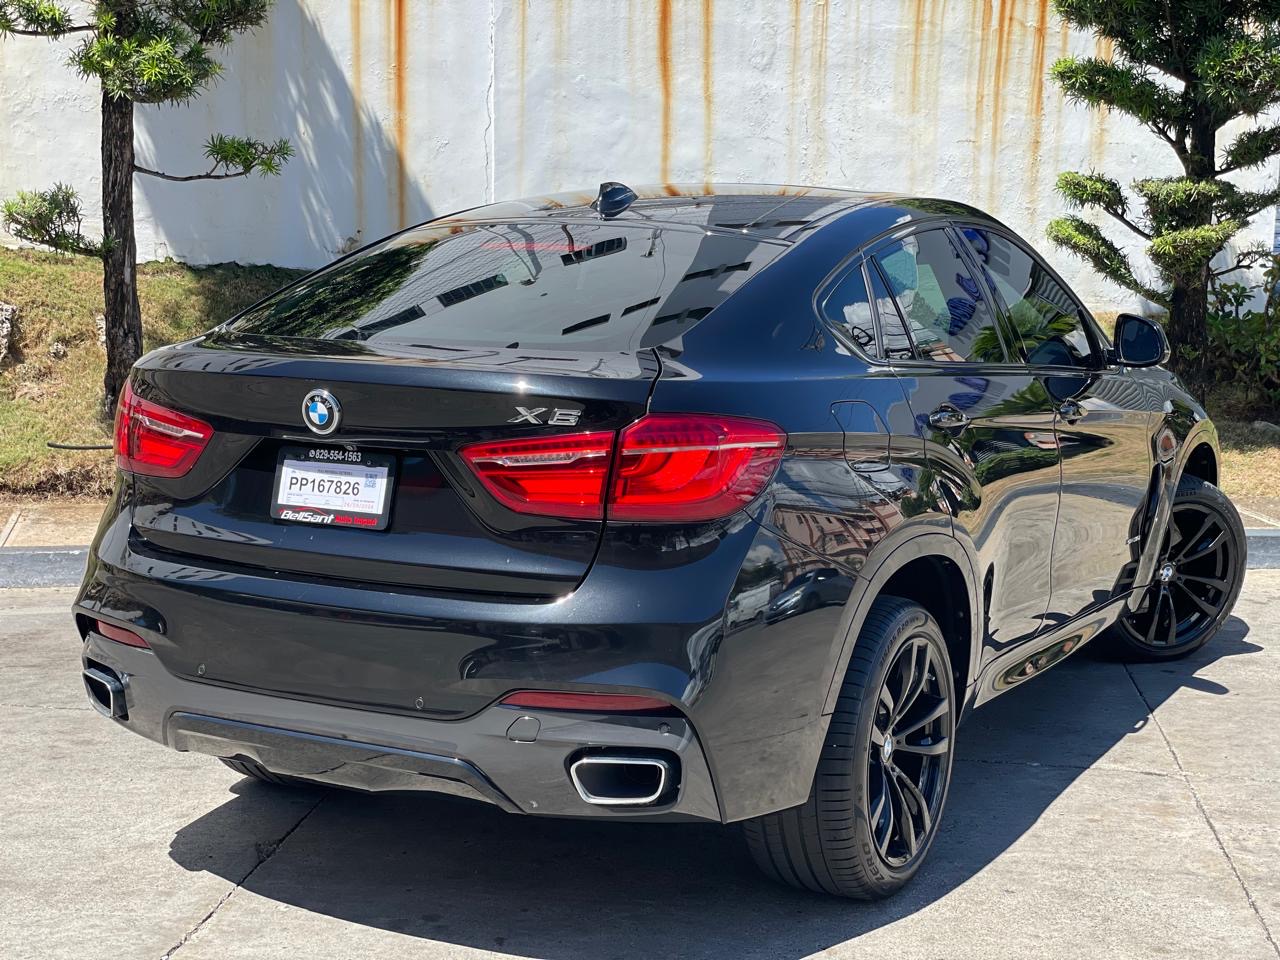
x: 453, y: 607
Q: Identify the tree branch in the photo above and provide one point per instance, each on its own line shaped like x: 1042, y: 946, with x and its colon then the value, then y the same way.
x: 1244, y: 260
x: 1097, y: 190
x: 233, y: 157
x: 1086, y: 241
x: 211, y: 175
x: 77, y: 28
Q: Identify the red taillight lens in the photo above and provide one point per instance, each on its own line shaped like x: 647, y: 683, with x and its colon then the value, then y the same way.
x: 594, y: 702
x: 121, y: 635
x: 155, y: 441
x: 692, y: 467
x: 552, y: 476
x: 669, y: 467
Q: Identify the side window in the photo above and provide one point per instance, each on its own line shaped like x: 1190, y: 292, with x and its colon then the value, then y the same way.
x: 1044, y: 315
x: 893, y: 332
x: 945, y: 310
x: 848, y: 307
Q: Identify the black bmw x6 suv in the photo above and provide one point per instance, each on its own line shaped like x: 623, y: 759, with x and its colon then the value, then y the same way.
x: 722, y: 504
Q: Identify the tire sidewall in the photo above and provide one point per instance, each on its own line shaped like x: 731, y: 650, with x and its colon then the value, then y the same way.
x: 912, y: 622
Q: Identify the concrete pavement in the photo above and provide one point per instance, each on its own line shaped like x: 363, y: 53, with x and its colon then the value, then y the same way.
x: 1098, y: 811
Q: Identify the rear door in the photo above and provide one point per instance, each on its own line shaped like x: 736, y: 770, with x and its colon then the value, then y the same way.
x: 1103, y: 422
x: 987, y: 424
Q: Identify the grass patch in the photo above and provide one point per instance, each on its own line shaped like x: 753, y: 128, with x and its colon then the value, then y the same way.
x: 1250, y: 465
x: 50, y: 383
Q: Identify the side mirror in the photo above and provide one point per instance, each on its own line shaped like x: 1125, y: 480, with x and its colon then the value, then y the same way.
x: 1140, y: 342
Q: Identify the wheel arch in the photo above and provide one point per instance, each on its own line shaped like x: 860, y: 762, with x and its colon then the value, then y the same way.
x: 1202, y: 462
x: 913, y: 569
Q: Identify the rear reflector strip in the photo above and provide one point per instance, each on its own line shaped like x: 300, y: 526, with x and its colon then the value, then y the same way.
x: 121, y: 635
x: 593, y: 702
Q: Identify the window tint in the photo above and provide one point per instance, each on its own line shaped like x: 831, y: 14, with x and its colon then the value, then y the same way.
x: 848, y: 307
x: 1045, y: 316
x: 542, y: 284
x: 945, y: 310
x: 893, y: 332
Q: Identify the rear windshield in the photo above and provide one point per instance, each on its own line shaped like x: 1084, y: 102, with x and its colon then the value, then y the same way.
x: 553, y: 285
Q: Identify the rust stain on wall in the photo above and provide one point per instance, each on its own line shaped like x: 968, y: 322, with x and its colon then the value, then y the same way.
x: 1004, y: 37
x: 918, y: 34
x: 1038, y: 79
x: 708, y: 88
x: 357, y: 114
x: 664, y: 82
x: 1103, y: 49
x: 398, y: 34
x: 818, y: 96
x: 793, y: 121
x: 522, y: 54
x: 924, y: 89
x: 984, y: 58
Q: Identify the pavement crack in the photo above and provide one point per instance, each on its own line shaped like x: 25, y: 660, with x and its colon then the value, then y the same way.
x: 264, y: 851
x: 1204, y: 813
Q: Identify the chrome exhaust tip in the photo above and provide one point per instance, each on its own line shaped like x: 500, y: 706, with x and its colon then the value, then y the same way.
x: 610, y: 781
x: 106, y: 692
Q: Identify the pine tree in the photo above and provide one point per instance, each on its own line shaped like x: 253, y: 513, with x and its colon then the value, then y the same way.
x: 139, y: 51
x: 1184, y: 69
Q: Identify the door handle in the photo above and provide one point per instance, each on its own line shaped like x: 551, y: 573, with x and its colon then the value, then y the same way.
x: 1071, y: 411
x: 948, y: 418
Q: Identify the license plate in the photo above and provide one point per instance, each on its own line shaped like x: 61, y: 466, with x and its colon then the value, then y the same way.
x: 334, y: 487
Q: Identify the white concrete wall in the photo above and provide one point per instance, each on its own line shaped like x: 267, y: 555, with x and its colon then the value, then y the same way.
x: 407, y: 109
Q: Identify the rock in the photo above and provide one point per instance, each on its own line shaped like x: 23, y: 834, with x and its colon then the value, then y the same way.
x: 1267, y: 429
x: 100, y: 321
x: 8, y: 328
x: 57, y: 350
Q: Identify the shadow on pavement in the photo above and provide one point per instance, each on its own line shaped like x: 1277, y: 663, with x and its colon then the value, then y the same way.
x: 463, y: 873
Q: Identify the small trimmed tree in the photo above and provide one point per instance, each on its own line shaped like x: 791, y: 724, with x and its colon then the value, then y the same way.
x: 140, y: 51
x: 1184, y: 69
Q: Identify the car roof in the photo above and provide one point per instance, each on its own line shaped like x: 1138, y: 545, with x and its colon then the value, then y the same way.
x: 779, y: 213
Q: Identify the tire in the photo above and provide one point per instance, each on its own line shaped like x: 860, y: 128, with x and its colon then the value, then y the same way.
x: 248, y: 768
x: 1197, y: 580
x: 836, y: 841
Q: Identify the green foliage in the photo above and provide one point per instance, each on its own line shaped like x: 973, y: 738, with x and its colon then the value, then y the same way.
x: 139, y: 51
x: 1181, y: 254
x: 1251, y: 148
x: 1183, y: 68
x: 144, y: 52
x: 1091, y: 190
x: 1101, y: 83
x: 1244, y: 343
x: 49, y: 217
x: 243, y: 155
x: 1087, y: 241
x: 40, y: 17
x: 148, y: 52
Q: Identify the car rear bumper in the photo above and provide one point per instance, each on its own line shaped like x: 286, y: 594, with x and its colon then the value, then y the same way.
x: 520, y: 767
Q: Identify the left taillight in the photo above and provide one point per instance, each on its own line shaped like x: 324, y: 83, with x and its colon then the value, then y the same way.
x: 155, y: 441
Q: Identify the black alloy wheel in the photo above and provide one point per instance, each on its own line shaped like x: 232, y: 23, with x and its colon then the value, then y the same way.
x: 881, y: 784
x: 1196, y: 580
x: 910, y: 753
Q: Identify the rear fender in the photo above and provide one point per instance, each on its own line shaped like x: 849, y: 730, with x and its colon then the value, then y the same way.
x: 907, y: 544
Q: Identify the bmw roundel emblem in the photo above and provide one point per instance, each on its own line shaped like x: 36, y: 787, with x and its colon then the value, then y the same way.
x: 321, y: 412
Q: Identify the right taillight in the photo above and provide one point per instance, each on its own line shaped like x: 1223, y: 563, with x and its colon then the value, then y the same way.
x: 155, y: 441
x: 672, y: 467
